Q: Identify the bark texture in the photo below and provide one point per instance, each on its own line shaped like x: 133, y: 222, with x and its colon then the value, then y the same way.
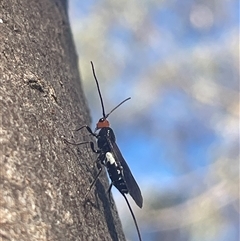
x: 43, y: 180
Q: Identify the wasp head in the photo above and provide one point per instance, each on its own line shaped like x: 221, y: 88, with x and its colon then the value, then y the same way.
x: 103, y: 122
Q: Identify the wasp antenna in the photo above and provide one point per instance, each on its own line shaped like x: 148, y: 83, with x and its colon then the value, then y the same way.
x: 133, y: 216
x: 99, y: 92
x: 117, y: 106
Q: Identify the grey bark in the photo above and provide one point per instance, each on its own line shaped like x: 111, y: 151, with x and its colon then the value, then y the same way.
x: 43, y: 180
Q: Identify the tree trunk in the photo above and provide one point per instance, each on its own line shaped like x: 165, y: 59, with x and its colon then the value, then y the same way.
x: 43, y: 180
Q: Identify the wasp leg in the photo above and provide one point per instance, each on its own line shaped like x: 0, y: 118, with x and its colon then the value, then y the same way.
x: 109, y: 190
x: 99, y: 166
x: 109, y: 194
x: 81, y: 143
x: 88, y: 129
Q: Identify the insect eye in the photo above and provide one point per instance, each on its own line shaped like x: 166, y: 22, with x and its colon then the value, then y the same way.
x: 101, y: 120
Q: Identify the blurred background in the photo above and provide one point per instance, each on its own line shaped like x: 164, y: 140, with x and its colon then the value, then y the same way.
x: 179, y: 62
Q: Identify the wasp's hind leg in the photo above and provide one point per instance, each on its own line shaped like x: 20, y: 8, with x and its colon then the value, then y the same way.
x: 99, y: 166
x: 109, y: 194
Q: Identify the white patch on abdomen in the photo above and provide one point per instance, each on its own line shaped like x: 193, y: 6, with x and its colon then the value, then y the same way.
x: 110, y: 158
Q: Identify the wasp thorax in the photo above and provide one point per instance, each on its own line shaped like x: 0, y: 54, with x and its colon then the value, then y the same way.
x: 102, y: 123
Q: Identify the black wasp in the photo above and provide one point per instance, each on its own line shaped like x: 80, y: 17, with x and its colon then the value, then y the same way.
x: 110, y: 156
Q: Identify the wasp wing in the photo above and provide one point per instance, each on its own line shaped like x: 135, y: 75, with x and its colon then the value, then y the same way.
x: 131, y: 183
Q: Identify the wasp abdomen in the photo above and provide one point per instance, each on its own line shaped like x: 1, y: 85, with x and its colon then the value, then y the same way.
x: 115, y: 173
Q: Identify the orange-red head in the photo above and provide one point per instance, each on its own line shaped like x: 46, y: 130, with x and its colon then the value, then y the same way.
x: 103, y: 122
